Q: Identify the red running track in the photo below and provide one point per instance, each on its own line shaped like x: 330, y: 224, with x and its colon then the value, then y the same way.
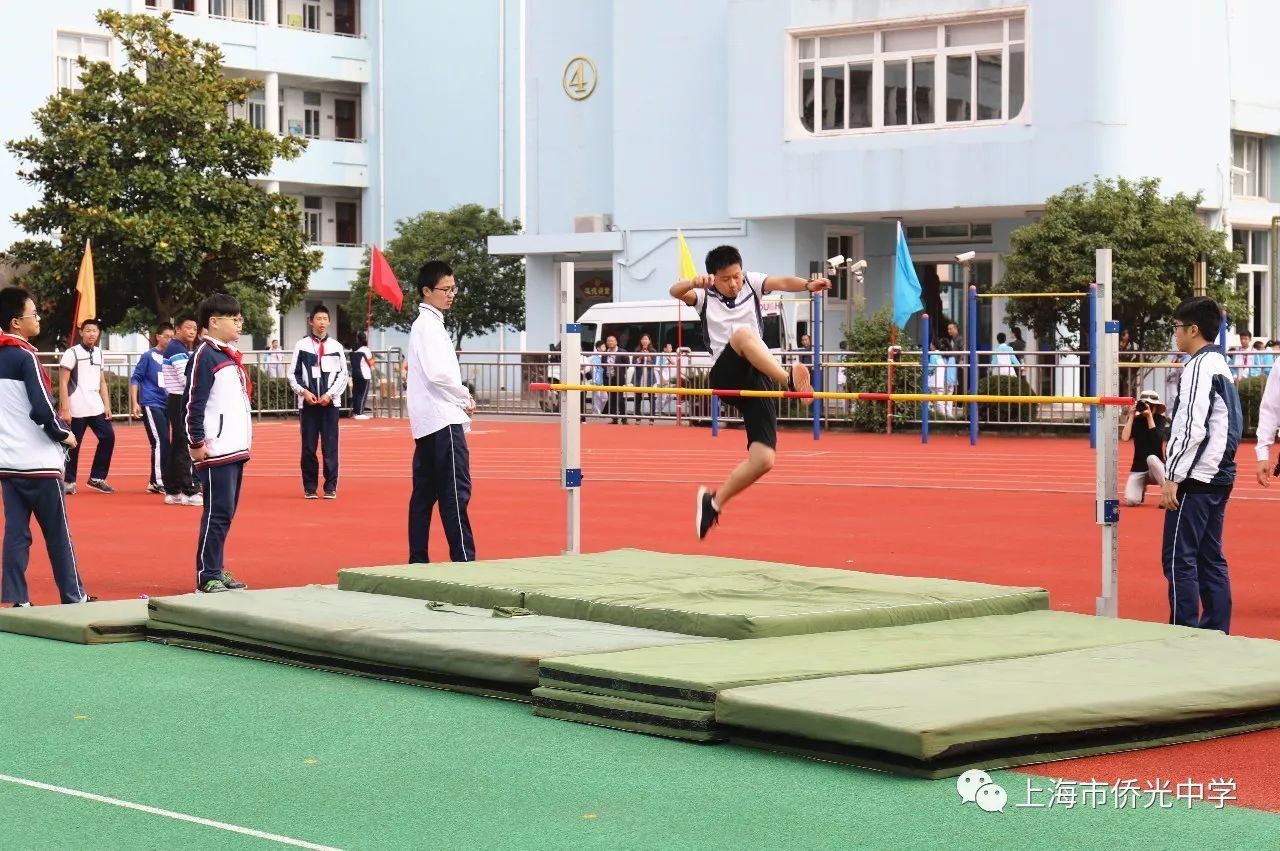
x: 1015, y: 511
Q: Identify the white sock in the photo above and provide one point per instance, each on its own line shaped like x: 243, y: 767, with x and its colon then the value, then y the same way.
x: 714, y: 505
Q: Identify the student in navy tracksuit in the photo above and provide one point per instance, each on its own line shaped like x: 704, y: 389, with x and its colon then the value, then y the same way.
x: 1200, y: 472
x: 179, y: 478
x: 33, y: 440
x: 149, y: 400
x: 318, y: 376
x: 220, y: 431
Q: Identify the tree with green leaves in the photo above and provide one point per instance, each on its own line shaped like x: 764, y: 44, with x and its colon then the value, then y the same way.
x: 1155, y: 244
x: 491, y: 292
x: 144, y: 162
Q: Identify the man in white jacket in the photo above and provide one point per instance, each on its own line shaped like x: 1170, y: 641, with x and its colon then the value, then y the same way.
x: 1268, y: 425
x: 440, y: 409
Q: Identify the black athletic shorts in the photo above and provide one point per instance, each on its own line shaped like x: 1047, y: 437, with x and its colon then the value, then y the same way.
x: 732, y: 371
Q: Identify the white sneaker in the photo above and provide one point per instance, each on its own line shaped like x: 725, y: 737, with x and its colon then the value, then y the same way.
x: 175, y: 499
x: 195, y: 499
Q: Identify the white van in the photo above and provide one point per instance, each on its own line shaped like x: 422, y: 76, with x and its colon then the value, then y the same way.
x: 630, y: 320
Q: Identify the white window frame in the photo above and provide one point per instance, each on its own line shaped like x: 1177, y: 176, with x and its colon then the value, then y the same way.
x: 1252, y: 179
x: 73, y: 70
x: 311, y: 7
x: 1250, y: 265
x: 313, y: 220
x: 795, y: 128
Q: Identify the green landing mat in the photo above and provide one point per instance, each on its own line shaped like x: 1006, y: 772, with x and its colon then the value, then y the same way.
x: 634, y: 716
x: 696, y: 595
x: 456, y: 647
x: 691, y: 675
x: 936, y: 722
x: 103, y: 622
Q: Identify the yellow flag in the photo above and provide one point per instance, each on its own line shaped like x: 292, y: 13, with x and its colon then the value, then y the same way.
x: 86, y: 290
x: 688, y: 269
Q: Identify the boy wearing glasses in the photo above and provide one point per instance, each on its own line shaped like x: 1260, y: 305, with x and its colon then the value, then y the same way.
x: 440, y: 409
x: 1200, y: 472
x: 32, y: 443
x: 220, y: 431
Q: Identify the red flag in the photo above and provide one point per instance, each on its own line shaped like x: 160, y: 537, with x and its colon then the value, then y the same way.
x: 383, y: 281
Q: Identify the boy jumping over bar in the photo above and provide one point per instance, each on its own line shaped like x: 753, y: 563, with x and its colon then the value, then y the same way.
x: 728, y: 303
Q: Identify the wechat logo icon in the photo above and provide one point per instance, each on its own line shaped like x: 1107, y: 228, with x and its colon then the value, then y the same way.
x: 975, y: 787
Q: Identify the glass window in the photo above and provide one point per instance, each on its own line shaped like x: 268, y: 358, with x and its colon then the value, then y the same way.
x: 918, y: 38
x: 806, y: 97
x: 959, y: 88
x: 833, y: 97
x: 70, y: 47
x: 861, y: 96
x: 982, y: 32
x: 922, y: 91
x: 1017, y: 79
x: 895, y: 93
x: 1259, y: 241
x: 989, y: 86
x: 858, y: 44
x: 958, y: 72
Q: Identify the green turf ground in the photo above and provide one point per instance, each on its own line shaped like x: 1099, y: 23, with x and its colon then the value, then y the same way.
x: 358, y: 764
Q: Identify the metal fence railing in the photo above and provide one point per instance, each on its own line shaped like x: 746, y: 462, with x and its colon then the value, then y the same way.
x: 500, y: 380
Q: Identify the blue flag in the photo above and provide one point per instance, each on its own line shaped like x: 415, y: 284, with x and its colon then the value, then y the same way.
x: 906, y: 284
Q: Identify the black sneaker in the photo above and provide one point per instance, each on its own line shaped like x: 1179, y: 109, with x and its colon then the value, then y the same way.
x: 707, y: 515
x: 154, y: 488
x: 231, y: 583
x: 213, y: 586
x: 330, y: 494
x: 310, y: 495
x: 100, y: 485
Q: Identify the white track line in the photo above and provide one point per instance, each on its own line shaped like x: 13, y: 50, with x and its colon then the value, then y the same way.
x: 156, y: 811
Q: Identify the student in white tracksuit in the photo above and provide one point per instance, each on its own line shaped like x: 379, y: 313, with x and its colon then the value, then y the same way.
x: 1268, y: 425
x: 440, y: 409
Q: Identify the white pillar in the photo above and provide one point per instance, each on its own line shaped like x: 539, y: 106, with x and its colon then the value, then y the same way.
x: 570, y: 410
x: 271, y: 16
x: 202, y: 7
x: 1107, y: 460
x: 271, y: 90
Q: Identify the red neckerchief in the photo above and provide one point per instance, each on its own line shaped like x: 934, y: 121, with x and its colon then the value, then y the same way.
x: 319, y: 341
x: 235, y: 354
x: 14, y: 340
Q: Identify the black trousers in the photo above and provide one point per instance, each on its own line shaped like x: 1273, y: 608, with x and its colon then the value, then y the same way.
x: 156, y: 422
x: 221, y: 497
x: 178, y: 473
x: 441, y: 474
x: 101, y: 427
x: 44, y: 499
x: 361, y: 394
x: 319, y: 425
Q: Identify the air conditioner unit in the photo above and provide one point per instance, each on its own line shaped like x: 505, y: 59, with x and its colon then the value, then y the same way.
x: 594, y: 223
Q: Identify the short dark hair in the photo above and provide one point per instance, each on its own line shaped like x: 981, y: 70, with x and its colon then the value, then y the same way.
x: 362, y: 339
x: 164, y: 326
x: 431, y: 273
x: 722, y: 257
x: 1204, y: 313
x: 318, y: 309
x: 218, y: 304
x: 1000, y: 338
x: 183, y: 319
x: 13, y: 303
x: 96, y: 323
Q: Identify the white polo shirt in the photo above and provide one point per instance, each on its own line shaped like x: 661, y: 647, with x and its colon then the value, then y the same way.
x: 84, y: 394
x: 723, y: 315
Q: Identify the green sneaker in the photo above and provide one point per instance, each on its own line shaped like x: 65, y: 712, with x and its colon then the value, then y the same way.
x: 213, y: 586
x: 230, y: 583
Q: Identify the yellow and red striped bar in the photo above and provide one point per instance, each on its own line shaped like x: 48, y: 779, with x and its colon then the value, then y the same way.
x: 862, y: 397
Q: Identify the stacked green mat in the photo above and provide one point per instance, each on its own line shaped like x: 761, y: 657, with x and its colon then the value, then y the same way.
x: 487, y: 651
x: 936, y: 722
x: 673, y: 691
x: 106, y: 622
x: 696, y: 595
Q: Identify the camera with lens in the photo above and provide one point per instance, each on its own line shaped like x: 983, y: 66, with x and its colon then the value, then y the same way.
x: 1143, y: 406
